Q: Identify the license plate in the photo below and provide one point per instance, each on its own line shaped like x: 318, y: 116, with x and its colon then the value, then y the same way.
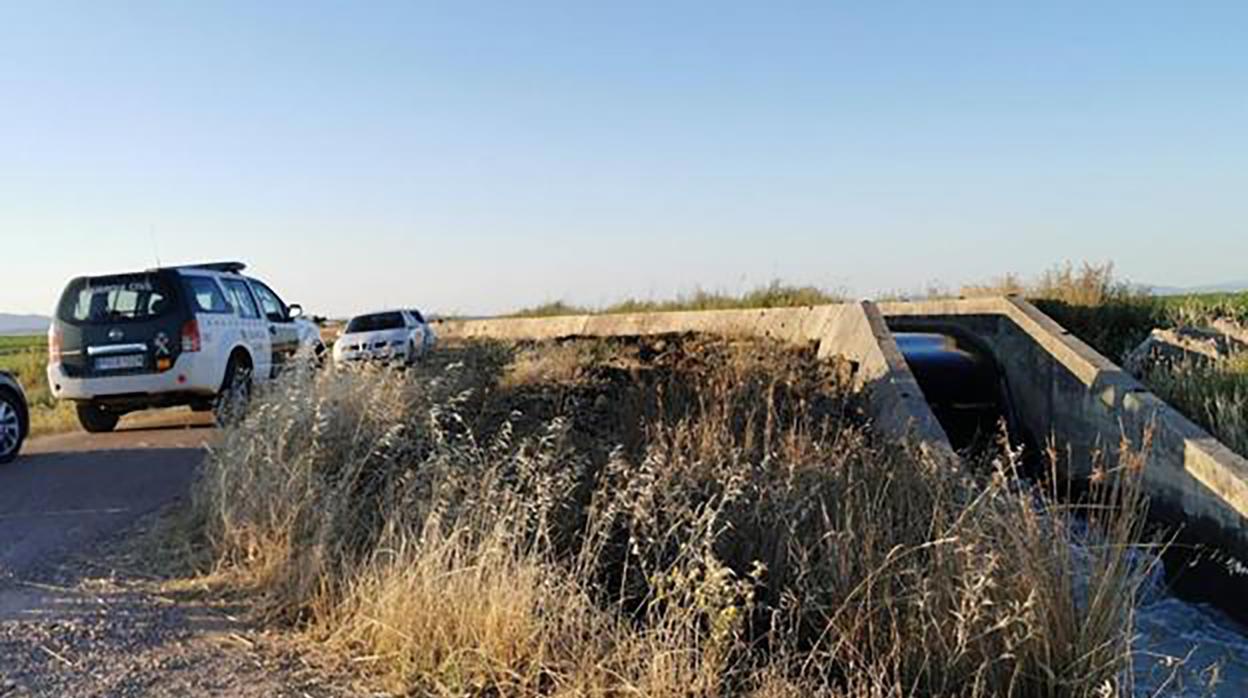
x: 119, y: 363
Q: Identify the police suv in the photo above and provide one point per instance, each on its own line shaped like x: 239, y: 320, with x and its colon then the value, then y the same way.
x: 196, y: 335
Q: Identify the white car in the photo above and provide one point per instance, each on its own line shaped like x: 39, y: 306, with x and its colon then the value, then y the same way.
x: 195, y: 335
x: 395, y: 337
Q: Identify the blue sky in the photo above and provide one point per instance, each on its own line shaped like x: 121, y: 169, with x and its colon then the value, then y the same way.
x: 473, y: 157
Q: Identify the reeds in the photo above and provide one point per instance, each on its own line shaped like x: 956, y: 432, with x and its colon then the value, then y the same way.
x: 1214, y: 394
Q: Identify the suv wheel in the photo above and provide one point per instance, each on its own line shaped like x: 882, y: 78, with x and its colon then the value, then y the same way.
x: 95, y: 419
x: 10, y: 428
x: 235, y: 392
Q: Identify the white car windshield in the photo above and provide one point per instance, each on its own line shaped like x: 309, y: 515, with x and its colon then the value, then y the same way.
x: 376, y: 323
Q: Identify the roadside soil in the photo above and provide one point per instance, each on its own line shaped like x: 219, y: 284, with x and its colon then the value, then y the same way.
x: 104, y: 624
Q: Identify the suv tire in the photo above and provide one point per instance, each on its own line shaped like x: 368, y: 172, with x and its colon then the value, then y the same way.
x: 235, y: 392
x: 95, y: 419
x: 11, y: 428
x: 411, y: 354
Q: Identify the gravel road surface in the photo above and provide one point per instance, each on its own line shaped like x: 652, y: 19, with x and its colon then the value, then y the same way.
x: 68, y: 491
x: 78, y: 619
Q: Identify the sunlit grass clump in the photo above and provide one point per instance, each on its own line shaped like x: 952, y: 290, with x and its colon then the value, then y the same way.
x: 776, y: 294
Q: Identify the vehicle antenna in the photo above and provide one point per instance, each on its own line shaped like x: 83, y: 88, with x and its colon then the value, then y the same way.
x: 151, y: 232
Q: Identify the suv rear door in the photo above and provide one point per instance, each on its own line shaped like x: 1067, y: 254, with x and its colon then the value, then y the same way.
x: 124, y: 324
x: 253, y: 326
x: 217, y: 317
x: 284, y: 333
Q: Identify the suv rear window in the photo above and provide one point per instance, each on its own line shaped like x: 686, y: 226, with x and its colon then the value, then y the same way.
x: 377, y: 322
x: 112, y: 299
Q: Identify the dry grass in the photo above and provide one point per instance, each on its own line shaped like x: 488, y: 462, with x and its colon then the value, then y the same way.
x: 694, y: 519
x: 1213, y: 394
x: 773, y: 295
x: 1086, y: 285
x: 565, y: 363
x: 1108, y: 313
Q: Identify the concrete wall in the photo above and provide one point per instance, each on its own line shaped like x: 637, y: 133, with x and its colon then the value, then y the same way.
x: 855, y: 331
x: 1062, y: 388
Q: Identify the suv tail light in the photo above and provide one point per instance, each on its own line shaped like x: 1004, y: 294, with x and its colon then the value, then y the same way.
x: 190, y: 336
x: 56, y: 346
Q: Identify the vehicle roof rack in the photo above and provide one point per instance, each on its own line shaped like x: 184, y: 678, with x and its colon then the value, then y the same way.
x: 223, y: 267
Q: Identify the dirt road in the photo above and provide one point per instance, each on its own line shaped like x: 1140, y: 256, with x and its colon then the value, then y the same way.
x: 68, y: 491
x: 77, y: 618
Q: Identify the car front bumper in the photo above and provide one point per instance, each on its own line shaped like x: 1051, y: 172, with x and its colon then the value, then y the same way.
x: 395, y: 355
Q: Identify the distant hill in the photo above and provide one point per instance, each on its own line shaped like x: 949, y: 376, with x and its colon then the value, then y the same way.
x: 23, y: 324
x: 1229, y: 287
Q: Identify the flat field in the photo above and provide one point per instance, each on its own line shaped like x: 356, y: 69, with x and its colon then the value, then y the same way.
x: 17, y: 343
x: 27, y: 358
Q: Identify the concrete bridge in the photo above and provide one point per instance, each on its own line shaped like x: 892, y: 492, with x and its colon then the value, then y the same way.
x: 1061, y: 390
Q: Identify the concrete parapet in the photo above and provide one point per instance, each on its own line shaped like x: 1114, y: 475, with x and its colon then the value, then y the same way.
x: 855, y: 331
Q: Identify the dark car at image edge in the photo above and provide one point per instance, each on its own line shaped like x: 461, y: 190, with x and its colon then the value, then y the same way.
x: 14, y: 417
